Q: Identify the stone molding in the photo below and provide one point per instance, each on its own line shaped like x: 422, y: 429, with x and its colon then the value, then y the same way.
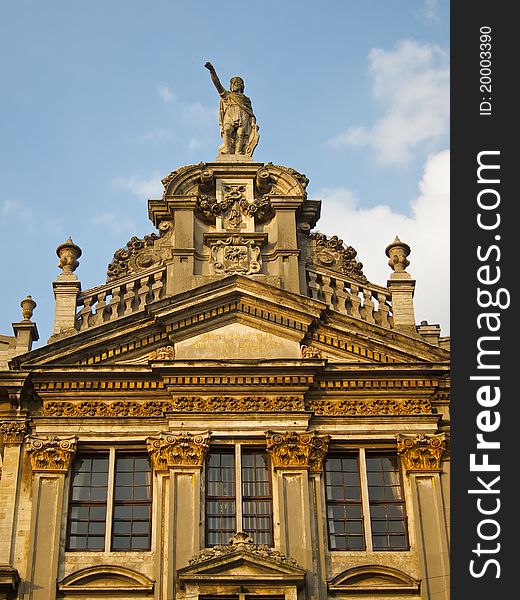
x: 293, y: 450
x: 51, y: 454
x: 421, y: 453
x: 13, y: 432
x: 177, y: 450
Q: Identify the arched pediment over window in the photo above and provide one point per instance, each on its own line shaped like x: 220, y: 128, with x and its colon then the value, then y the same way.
x: 376, y: 579
x: 106, y: 580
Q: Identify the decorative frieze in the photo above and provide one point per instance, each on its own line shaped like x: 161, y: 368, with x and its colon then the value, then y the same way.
x: 297, y: 450
x: 182, y: 450
x: 310, y: 352
x: 51, y: 454
x: 369, y: 406
x: 421, y: 452
x: 13, y: 432
x: 162, y: 353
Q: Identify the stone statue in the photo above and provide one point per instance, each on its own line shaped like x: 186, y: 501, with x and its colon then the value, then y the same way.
x: 237, y: 121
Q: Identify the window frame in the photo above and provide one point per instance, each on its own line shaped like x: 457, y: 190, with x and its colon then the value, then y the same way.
x: 238, y: 450
x: 361, y: 454
x: 110, y: 502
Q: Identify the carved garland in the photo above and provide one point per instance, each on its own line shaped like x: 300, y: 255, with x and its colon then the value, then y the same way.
x: 210, y: 207
x: 183, y: 450
x: 421, y: 453
x: 51, y: 454
x: 297, y: 450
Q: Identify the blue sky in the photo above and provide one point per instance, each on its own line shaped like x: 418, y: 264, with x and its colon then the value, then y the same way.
x: 102, y: 99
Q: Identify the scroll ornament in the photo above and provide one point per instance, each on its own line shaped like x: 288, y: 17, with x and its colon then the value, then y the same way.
x: 51, y: 454
x: 421, y: 453
x: 182, y: 450
x: 297, y: 450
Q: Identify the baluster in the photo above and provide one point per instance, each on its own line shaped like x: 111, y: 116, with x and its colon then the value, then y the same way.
x: 157, y: 285
x: 144, y: 288
x: 355, y: 301
x: 85, y: 313
x: 368, y: 306
x: 114, y: 303
x: 327, y: 290
x: 98, y: 317
x: 128, y: 298
x: 342, y: 296
x: 314, y: 287
x: 383, y: 310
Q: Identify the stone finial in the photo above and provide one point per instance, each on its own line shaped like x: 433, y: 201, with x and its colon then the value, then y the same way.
x: 28, y: 305
x: 398, y: 251
x: 68, y: 253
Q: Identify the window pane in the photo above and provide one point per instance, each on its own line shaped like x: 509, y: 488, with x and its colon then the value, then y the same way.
x: 387, y: 508
x: 257, y: 505
x: 220, y: 497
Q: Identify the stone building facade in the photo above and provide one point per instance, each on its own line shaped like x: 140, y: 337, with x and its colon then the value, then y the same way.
x: 237, y: 413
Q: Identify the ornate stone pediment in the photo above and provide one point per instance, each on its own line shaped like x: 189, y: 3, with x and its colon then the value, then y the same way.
x: 240, y: 561
x: 375, y: 579
x: 330, y: 252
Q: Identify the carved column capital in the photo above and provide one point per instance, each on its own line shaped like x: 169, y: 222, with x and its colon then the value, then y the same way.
x: 51, y: 454
x: 421, y: 453
x: 13, y: 432
x: 297, y: 450
x: 177, y: 450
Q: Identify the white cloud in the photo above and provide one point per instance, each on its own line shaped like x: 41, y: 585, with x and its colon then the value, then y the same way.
x: 411, y: 83
x: 426, y: 232
x: 144, y: 188
x: 166, y: 93
x: 113, y: 223
x: 16, y: 210
x: 429, y: 11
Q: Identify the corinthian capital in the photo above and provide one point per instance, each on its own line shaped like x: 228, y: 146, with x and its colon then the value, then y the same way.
x: 182, y: 450
x: 297, y: 450
x: 13, y: 432
x: 421, y: 452
x: 51, y: 454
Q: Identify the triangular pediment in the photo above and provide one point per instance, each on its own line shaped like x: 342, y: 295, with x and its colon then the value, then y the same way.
x: 233, y: 318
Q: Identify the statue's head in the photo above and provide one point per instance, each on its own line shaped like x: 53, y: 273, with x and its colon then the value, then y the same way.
x: 236, y: 84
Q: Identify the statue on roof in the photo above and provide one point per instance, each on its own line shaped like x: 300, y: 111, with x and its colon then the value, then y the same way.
x: 237, y: 121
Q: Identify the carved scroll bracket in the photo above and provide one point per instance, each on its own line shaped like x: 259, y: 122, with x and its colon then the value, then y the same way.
x: 177, y: 450
x: 421, y: 453
x: 292, y: 450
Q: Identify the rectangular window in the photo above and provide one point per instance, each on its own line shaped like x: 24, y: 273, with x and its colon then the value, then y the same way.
x: 238, y: 496
x: 365, y: 502
x: 110, y: 502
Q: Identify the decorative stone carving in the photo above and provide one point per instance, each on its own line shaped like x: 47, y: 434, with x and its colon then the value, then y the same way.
x: 310, y: 352
x: 28, y: 305
x: 236, y: 254
x: 242, y: 543
x: 297, y: 450
x: 237, y: 121
x: 233, y: 206
x: 162, y: 353
x: 421, y: 452
x: 68, y: 254
x: 138, y: 255
x: 183, y: 450
x: 367, y: 407
x: 398, y: 251
x: 51, y: 454
x: 13, y: 432
x: 333, y: 254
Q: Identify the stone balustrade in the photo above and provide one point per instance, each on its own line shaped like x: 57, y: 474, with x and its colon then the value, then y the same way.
x: 366, y: 301
x: 118, y: 299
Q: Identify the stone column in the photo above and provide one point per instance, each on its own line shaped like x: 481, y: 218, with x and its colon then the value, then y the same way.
x: 178, y: 458
x: 293, y: 455
x: 401, y: 286
x: 12, y: 434
x: 66, y: 289
x: 51, y: 459
x: 179, y: 273
x: 421, y: 456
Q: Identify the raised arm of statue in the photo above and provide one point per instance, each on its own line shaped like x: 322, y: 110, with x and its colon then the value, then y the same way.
x: 214, y: 78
